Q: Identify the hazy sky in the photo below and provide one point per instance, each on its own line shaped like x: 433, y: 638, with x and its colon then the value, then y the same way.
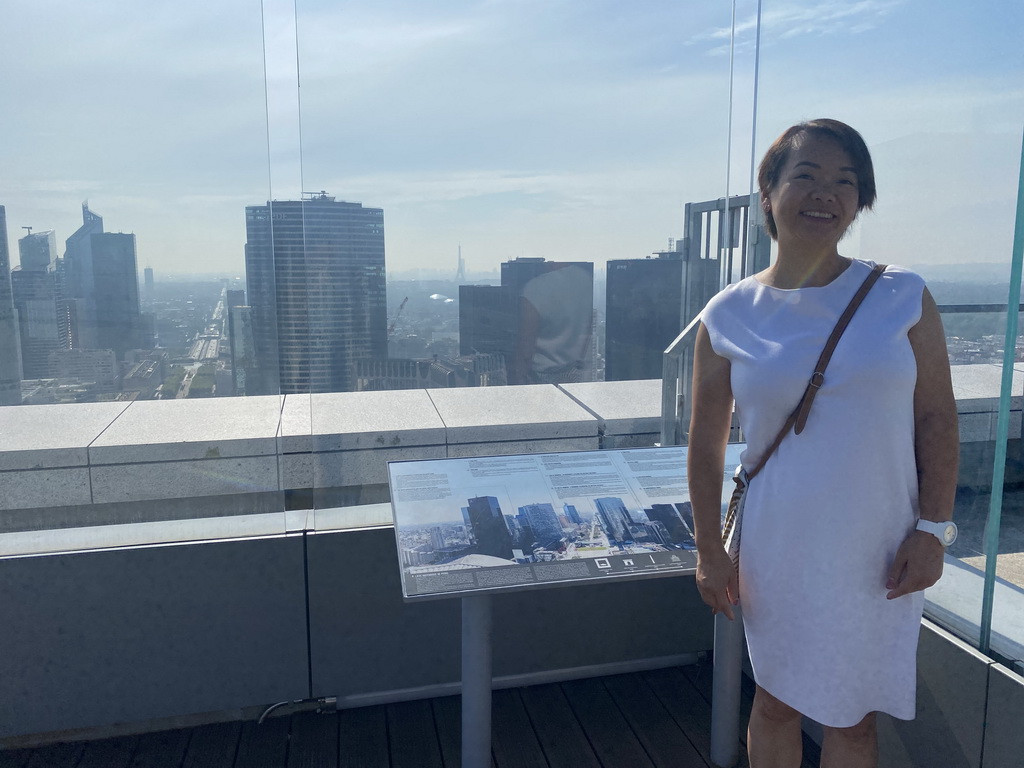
x: 558, y: 128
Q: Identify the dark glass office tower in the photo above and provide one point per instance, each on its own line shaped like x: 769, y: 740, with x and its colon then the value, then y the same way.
x: 10, y: 349
x: 644, y: 309
x: 614, y: 518
x: 316, y: 287
x: 489, y: 529
x: 116, y: 281
x: 544, y: 523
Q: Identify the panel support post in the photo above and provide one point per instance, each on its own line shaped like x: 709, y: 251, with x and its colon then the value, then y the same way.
x: 726, y: 688
x: 476, y: 681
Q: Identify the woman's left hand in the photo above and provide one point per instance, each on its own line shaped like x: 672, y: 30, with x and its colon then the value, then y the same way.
x: 917, y: 565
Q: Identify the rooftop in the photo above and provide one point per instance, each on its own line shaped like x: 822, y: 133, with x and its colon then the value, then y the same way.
x: 655, y: 719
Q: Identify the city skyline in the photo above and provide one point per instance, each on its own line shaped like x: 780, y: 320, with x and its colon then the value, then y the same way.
x: 587, y: 150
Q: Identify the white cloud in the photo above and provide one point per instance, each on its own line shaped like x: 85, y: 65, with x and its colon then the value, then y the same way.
x: 786, y: 21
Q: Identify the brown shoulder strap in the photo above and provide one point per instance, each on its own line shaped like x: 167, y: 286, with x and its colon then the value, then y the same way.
x: 799, y: 416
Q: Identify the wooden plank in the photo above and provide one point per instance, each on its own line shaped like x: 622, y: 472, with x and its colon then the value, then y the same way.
x: 611, y: 737
x: 703, y: 678
x: 513, y: 741
x: 683, y: 701
x: 448, y: 723
x: 213, y: 746
x: 64, y: 755
x: 14, y: 758
x: 263, y: 745
x: 109, y: 753
x: 560, y: 734
x: 662, y: 738
x: 161, y: 749
x: 411, y: 735
x: 363, y: 738
x: 313, y: 740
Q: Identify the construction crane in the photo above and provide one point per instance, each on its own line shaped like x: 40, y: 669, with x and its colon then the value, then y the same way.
x: 398, y: 314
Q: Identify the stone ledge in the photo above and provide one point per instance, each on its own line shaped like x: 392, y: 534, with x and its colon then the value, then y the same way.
x: 73, y: 456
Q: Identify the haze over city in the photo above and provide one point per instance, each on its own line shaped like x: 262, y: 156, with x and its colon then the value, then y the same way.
x: 567, y: 130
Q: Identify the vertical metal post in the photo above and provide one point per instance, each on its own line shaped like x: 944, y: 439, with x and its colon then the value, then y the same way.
x: 476, y: 681
x: 725, y: 692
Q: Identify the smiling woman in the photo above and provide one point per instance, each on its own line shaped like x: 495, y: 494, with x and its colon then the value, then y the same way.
x: 831, y: 561
x: 814, y: 154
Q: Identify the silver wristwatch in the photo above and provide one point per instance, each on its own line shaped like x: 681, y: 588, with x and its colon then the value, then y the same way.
x: 945, y: 531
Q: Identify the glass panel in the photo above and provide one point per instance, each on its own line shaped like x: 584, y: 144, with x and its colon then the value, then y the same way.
x: 1004, y: 588
x: 942, y: 115
x: 515, y: 151
x: 124, y: 323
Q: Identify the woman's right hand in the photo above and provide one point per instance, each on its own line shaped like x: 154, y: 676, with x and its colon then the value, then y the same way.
x: 717, y: 580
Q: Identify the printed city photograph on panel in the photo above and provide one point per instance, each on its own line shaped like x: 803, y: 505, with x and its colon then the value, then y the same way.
x: 517, y: 521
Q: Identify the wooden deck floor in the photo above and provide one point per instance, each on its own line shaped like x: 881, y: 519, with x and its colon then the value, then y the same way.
x: 659, y: 719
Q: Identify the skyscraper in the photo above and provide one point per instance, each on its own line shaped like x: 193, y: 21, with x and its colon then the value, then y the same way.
x: 37, y: 250
x: 316, y: 287
x: 79, y: 280
x: 147, y: 290
x: 10, y: 352
x: 116, y: 281
x: 102, y: 272
x: 544, y: 523
x: 35, y: 298
x: 644, y: 309
x: 489, y: 529
x: 614, y: 518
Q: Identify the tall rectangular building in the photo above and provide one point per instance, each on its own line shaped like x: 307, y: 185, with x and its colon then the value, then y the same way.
x: 116, y: 293
x: 35, y: 298
x: 10, y: 348
x: 644, y: 309
x: 101, y: 275
x: 36, y: 302
x: 78, y: 280
x: 316, y: 287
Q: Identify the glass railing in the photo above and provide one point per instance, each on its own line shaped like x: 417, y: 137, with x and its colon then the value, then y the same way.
x: 452, y: 190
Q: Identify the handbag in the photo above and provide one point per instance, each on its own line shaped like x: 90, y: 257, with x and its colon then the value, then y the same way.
x: 733, y: 523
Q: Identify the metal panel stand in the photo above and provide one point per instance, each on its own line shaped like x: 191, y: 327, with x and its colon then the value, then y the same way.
x: 476, y: 681
x: 725, y: 694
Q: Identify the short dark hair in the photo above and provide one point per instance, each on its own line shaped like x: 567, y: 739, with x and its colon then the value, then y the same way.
x: 778, y: 153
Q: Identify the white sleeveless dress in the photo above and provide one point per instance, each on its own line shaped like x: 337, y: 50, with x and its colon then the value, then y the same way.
x: 825, y: 516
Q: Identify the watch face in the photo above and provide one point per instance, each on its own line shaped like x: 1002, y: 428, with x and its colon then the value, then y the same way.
x: 949, y: 534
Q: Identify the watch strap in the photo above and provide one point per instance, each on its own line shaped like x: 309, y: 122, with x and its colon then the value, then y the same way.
x: 937, y: 529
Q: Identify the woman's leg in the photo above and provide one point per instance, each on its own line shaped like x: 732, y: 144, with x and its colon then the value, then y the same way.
x: 773, y: 735
x: 855, y: 747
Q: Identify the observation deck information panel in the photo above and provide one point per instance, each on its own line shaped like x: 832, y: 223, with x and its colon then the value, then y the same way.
x: 497, y: 523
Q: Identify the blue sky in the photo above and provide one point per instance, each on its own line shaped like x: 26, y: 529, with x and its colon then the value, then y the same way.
x: 557, y: 128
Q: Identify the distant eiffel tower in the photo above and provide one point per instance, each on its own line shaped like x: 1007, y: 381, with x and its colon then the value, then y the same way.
x: 460, y: 273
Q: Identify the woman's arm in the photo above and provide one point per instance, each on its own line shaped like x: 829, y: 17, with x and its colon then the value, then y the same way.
x: 710, y: 419
x: 918, y: 562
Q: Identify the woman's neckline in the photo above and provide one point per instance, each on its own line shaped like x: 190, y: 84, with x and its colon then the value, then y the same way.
x: 847, y: 269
